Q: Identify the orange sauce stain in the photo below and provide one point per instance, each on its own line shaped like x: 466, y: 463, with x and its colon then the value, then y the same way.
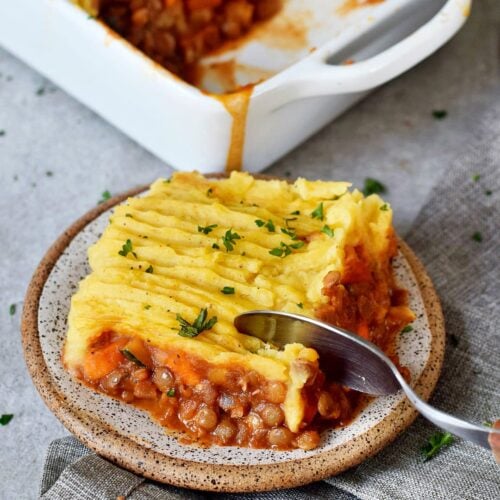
x: 284, y: 31
x: 237, y: 106
x: 229, y: 76
x: 350, y: 5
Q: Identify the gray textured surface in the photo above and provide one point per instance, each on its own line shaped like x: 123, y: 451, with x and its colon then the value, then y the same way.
x: 391, y: 136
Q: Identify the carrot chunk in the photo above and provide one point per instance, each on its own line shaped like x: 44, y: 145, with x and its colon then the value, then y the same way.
x: 99, y: 363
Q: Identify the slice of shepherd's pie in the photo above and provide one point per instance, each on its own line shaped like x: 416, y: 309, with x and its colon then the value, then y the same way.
x: 152, y: 324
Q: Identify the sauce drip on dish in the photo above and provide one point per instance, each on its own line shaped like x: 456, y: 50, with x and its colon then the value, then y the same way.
x: 236, y: 104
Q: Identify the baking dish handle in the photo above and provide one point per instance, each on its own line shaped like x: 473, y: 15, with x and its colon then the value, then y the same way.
x: 315, y: 77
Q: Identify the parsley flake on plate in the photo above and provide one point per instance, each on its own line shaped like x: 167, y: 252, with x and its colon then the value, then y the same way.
x: 207, y: 229
x: 229, y: 239
x: 126, y: 249
x: 199, y: 325
x: 131, y: 357
x: 435, y: 444
x: 283, y: 250
x: 407, y: 328
x: 373, y: 186
x: 317, y: 213
x: 289, y: 232
x: 105, y: 196
x: 6, y: 418
x: 269, y: 225
x: 328, y: 231
x: 440, y: 114
x: 477, y: 236
x: 12, y: 309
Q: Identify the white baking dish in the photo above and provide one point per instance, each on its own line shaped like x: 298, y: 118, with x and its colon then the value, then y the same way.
x: 190, y: 129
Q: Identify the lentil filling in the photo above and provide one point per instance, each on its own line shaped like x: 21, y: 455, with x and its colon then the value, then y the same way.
x: 177, y: 33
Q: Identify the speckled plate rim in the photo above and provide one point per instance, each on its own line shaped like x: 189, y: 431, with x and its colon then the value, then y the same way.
x: 218, y: 477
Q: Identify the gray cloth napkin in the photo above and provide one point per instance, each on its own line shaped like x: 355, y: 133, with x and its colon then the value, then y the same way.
x: 466, y: 272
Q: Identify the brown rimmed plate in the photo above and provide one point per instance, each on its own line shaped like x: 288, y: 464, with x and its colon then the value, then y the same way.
x: 127, y: 436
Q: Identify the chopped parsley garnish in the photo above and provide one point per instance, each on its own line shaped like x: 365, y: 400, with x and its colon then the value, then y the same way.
x: 289, y: 232
x: 283, y: 250
x: 476, y: 177
x: 147, y: 306
x: 338, y: 196
x: 328, y: 231
x: 384, y: 207
x: 229, y: 239
x: 488, y: 423
x: 126, y: 249
x: 209, y: 192
x: 215, y: 246
x: 167, y: 181
x: 105, y: 196
x: 317, y: 213
x: 6, y: 418
x: 12, y: 309
x: 207, y: 229
x: 150, y: 269
x: 269, y: 225
x: 435, y: 444
x: 440, y: 114
x: 372, y: 186
x: 49, y: 173
x: 300, y: 305
x: 129, y: 215
x: 477, y: 236
x: 131, y: 357
x: 297, y: 212
x: 228, y: 290
x: 199, y: 325
x: 407, y: 328
x: 171, y: 392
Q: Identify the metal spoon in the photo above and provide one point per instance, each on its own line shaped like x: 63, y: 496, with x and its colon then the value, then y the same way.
x: 351, y: 361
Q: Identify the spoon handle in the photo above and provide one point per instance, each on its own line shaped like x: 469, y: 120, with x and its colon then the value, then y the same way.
x: 477, y: 434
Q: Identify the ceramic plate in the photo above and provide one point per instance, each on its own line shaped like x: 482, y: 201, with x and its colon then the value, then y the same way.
x: 129, y: 437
